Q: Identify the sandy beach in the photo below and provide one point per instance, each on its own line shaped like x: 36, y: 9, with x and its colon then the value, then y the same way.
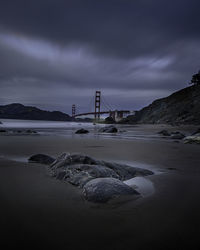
x: 38, y: 210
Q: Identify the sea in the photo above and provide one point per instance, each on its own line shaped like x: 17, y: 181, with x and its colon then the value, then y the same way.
x: 68, y: 129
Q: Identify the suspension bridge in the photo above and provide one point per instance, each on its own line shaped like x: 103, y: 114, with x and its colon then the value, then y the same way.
x: 100, y: 103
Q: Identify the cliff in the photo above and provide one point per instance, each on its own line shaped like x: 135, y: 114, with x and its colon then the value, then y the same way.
x: 182, y: 107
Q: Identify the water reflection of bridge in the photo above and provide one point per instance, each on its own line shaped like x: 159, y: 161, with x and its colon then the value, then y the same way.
x: 115, y: 114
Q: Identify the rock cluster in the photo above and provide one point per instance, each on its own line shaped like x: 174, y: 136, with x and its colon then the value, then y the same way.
x: 193, y: 138
x: 100, y: 180
x: 18, y: 132
x: 173, y: 135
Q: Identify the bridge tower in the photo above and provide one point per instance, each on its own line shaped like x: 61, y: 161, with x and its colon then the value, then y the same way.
x: 73, y: 110
x: 97, y: 105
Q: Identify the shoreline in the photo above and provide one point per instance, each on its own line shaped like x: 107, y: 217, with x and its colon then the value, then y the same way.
x: 36, y: 206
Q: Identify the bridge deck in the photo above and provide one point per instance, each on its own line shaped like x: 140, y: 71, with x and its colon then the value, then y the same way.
x: 103, y: 112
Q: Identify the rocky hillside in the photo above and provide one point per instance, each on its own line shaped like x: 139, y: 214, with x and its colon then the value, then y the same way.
x: 182, y: 107
x: 19, y: 111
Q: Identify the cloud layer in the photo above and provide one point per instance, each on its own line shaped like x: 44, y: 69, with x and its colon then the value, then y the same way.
x: 56, y: 53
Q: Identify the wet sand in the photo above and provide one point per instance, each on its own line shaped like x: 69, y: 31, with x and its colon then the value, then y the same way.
x: 37, y: 210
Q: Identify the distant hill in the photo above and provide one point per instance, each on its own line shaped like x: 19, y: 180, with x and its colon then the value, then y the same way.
x: 182, y: 107
x: 19, y: 111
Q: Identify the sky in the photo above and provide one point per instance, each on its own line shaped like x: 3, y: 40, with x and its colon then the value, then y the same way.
x: 55, y: 53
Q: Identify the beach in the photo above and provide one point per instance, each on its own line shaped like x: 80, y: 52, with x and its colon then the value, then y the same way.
x: 38, y: 210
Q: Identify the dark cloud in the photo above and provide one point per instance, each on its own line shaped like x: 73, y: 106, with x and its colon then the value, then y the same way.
x: 141, y: 50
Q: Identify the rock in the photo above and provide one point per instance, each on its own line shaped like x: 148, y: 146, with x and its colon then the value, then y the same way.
x: 3, y: 130
x: 177, y: 135
x: 29, y: 131
x: 77, y: 167
x: 164, y: 132
x: 82, y: 131
x: 78, y: 175
x: 41, y: 158
x: 126, y: 172
x: 108, y: 129
x: 1, y: 122
x: 196, y: 132
x: 109, y: 120
x: 101, y: 180
x: 103, y: 189
x: 65, y: 160
x: 192, y: 139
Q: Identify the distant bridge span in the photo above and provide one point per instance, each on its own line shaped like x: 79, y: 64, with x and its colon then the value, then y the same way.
x: 115, y: 114
x: 103, y: 112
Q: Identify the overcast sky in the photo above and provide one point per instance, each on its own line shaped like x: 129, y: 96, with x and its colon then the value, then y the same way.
x: 54, y: 53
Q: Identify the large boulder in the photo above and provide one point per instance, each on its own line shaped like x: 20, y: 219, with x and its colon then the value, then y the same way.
x: 101, y: 180
x: 82, y: 131
x: 108, y: 129
x: 121, y: 171
x: 103, y: 189
x: 41, y: 158
x: 78, y: 175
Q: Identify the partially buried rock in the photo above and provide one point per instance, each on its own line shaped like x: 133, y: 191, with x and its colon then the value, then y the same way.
x: 82, y: 131
x: 2, y: 131
x: 104, y: 189
x: 164, y: 133
x: 41, y: 158
x: 108, y: 129
x: 177, y: 135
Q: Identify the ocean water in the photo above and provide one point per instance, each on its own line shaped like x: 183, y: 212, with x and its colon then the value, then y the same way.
x: 62, y: 128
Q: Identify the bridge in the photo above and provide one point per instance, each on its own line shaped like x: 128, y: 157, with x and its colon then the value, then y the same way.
x: 116, y: 115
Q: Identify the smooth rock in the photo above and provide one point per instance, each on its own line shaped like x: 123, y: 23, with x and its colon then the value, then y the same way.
x: 41, y: 158
x: 102, y: 190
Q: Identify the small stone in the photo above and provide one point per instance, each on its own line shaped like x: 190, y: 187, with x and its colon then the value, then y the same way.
x: 41, y: 158
x: 108, y: 129
x: 164, y: 132
x: 82, y: 131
